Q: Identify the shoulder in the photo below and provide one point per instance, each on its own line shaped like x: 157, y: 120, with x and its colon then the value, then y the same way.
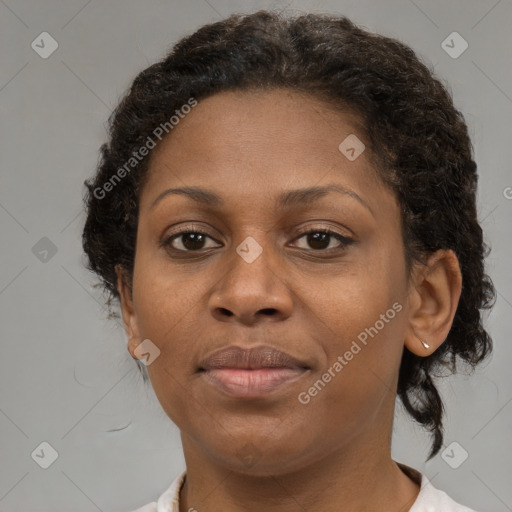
x: 431, y: 499
x: 169, y: 500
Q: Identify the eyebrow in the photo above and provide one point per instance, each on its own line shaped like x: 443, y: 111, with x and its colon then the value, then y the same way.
x: 284, y: 200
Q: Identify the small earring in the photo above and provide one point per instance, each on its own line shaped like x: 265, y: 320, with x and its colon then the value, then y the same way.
x: 424, y: 343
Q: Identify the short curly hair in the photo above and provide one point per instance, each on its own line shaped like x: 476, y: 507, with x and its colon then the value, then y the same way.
x: 416, y: 138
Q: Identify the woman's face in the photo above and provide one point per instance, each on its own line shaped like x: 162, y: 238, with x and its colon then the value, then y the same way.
x: 254, y: 278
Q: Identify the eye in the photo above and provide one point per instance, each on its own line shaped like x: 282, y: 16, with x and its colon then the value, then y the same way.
x: 320, y: 239
x: 192, y: 240
x: 187, y: 241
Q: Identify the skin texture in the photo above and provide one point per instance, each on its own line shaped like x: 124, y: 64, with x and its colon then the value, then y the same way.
x: 276, y: 453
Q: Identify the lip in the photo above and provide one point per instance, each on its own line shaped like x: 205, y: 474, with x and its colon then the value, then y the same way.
x: 251, y: 373
x: 256, y: 358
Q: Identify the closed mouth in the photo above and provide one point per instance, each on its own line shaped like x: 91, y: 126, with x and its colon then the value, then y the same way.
x: 256, y: 358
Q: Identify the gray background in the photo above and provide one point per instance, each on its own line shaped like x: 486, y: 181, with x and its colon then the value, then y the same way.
x: 65, y: 374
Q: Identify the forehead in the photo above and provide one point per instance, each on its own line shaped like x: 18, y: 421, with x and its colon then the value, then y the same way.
x: 244, y: 143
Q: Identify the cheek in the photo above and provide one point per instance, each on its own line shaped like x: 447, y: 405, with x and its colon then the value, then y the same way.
x: 163, y: 297
x: 165, y: 305
x: 364, y: 298
x: 358, y: 382
x: 364, y: 310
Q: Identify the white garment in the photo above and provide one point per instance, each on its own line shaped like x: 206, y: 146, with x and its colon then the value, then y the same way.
x: 429, y: 498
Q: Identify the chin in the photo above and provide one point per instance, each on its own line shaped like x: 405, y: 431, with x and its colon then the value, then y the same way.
x: 263, y: 456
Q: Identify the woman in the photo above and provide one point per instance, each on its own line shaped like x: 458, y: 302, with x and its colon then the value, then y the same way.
x: 285, y: 211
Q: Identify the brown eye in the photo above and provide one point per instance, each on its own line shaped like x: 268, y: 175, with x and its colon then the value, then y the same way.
x: 187, y: 241
x: 320, y: 239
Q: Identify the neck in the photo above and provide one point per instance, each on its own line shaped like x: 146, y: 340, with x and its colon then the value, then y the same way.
x: 358, y: 476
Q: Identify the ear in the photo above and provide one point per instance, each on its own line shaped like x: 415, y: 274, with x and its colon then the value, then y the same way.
x: 127, y: 310
x: 433, y: 302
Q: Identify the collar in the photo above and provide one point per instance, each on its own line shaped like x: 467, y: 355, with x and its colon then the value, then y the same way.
x: 169, y: 500
x: 428, y: 495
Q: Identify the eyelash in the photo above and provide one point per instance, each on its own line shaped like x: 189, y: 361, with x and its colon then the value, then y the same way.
x: 344, y: 241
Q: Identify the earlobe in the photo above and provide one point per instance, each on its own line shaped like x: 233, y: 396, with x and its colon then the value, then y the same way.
x: 127, y: 311
x: 433, y: 302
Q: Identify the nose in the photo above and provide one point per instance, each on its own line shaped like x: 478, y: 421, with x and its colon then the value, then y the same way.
x: 251, y: 292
